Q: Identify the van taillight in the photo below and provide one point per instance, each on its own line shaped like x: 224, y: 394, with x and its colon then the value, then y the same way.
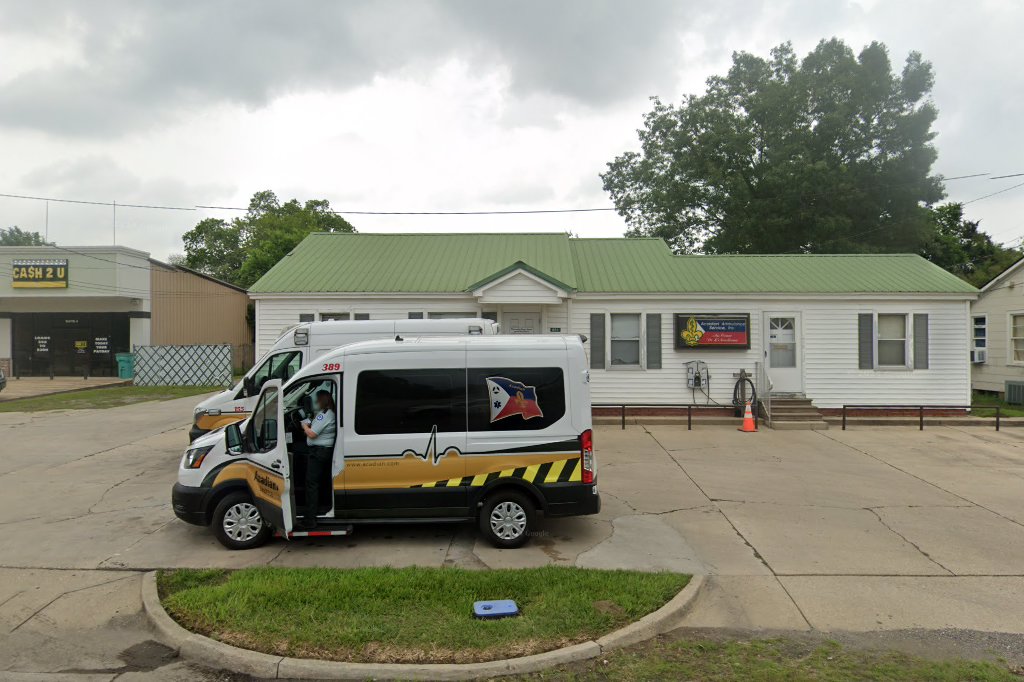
x: 587, y: 456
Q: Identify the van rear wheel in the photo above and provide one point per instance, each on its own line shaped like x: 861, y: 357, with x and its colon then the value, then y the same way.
x: 507, y: 519
x: 237, y: 522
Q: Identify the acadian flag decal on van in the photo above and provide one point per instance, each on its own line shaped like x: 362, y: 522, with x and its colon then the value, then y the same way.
x: 509, y: 398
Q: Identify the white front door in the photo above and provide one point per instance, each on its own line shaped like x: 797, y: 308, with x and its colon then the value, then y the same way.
x: 521, y: 323
x: 782, y: 353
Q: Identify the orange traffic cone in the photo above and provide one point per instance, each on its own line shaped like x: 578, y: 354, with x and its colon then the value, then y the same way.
x: 749, y: 423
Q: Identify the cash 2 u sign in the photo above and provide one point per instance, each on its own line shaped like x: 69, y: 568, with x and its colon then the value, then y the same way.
x: 39, y: 273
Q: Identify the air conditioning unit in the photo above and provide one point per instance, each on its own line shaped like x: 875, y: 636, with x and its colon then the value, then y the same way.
x: 1015, y: 392
x: 979, y: 355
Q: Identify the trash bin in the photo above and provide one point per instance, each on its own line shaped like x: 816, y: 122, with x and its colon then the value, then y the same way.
x: 125, y: 365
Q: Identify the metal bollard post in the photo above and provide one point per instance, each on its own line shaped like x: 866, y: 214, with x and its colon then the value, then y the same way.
x: 844, y: 417
x: 689, y: 417
x: 623, y: 417
x: 920, y: 418
x: 997, y: 417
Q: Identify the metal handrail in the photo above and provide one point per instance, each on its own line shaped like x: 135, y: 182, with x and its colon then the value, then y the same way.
x: 689, y: 409
x: 920, y: 410
x: 764, y: 390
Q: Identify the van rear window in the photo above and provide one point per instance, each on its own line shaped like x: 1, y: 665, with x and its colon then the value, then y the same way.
x: 515, y: 398
x: 410, y: 401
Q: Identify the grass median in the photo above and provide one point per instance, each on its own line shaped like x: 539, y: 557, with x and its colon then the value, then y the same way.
x: 409, y: 615
x: 101, y: 398
x: 772, y: 660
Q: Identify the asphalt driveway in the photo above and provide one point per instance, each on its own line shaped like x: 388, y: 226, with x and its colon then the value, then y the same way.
x: 868, y: 529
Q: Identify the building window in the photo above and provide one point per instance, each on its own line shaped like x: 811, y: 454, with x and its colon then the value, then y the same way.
x: 892, y: 340
x: 362, y: 316
x: 415, y: 316
x: 1017, y: 337
x: 448, y: 316
x: 306, y: 317
x: 625, y: 340
x: 325, y: 317
x: 980, y: 333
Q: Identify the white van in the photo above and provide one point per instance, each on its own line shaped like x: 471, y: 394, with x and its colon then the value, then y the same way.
x: 494, y: 429
x: 303, y: 343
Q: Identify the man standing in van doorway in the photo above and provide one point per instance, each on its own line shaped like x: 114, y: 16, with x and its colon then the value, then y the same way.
x: 320, y: 431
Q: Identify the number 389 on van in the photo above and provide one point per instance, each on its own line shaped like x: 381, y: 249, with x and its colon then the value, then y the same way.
x: 491, y: 429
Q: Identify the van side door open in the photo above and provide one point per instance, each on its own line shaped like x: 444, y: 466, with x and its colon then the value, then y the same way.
x: 265, y: 447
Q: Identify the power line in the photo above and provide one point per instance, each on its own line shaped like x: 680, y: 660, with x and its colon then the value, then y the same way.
x: 986, y: 196
x: 161, y: 207
x: 98, y: 203
x: 519, y: 212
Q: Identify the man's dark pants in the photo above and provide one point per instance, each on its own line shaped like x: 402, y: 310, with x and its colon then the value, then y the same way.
x: 318, y: 465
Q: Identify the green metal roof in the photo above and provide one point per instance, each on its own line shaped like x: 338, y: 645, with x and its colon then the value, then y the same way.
x: 453, y: 263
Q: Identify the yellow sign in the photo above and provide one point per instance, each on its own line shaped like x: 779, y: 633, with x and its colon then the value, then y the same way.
x: 39, y: 274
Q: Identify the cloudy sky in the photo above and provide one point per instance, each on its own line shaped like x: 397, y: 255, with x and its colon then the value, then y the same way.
x: 429, y: 105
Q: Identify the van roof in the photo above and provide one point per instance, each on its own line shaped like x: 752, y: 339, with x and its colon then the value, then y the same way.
x: 553, y: 342
x: 434, y: 343
x: 379, y: 326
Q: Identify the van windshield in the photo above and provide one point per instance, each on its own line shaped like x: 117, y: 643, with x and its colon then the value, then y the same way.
x: 278, y: 366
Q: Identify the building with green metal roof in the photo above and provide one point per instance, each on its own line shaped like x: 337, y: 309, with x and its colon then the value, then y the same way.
x: 843, y: 328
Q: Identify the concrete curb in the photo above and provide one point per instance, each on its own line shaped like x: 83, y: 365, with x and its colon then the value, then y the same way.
x: 218, y: 655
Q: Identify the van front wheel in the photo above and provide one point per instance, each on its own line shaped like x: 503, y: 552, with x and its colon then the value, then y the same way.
x: 507, y: 519
x: 237, y: 522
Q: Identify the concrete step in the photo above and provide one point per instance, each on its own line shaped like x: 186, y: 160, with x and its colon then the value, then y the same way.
x: 811, y: 415
x: 786, y: 409
x: 791, y: 403
x: 806, y: 425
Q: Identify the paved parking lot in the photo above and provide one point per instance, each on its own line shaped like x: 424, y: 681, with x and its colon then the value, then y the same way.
x: 860, y: 530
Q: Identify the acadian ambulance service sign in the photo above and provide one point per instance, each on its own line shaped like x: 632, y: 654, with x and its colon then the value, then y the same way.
x: 699, y: 330
x: 40, y: 273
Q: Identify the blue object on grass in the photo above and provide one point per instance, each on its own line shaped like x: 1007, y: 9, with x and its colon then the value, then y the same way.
x: 495, y: 608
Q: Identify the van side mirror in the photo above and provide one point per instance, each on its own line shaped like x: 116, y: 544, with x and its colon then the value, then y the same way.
x: 233, y: 438
x: 249, y: 386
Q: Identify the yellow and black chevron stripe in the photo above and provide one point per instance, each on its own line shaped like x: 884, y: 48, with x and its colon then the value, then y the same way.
x: 559, y: 471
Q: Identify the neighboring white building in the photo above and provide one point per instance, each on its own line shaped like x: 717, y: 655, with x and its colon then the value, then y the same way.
x: 853, y: 329
x: 997, y: 330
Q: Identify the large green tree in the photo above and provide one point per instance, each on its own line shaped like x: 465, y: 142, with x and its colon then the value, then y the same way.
x: 829, y: 153
x: 15, y: 236
x: 959, y: 246
x: 242, y: 250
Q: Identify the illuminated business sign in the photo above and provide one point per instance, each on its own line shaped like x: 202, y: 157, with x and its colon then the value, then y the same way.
x: 51, y: 273
x: 698, y: 330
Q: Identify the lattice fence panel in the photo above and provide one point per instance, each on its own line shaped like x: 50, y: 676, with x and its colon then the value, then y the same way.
x: 183, y: 365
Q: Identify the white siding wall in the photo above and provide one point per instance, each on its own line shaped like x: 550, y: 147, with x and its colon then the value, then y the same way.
x: 1005, y: 298
x: 667, y: 385
x: 274, y: 315
x: 828, y: 339
x: 831, y: 375
x: 519, y: 289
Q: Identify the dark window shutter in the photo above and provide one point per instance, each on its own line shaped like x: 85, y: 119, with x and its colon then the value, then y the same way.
x: 653, y: 341
x: 597, y: 343
x: 415, y: 316
x: 920, y: 340
x: 362, y: 316
x: 866, y: 340
x: 306, y: 317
